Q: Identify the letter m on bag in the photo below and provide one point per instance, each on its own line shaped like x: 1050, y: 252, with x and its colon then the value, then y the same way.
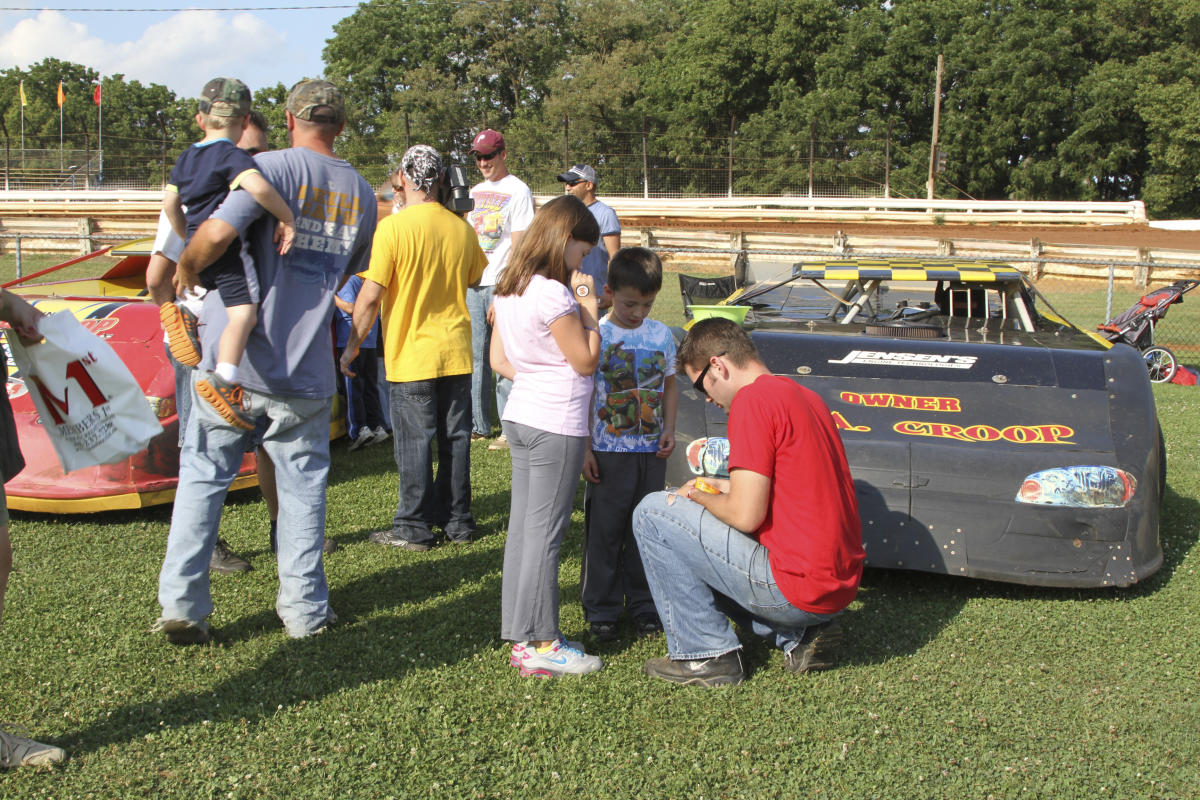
x: 60, y: 406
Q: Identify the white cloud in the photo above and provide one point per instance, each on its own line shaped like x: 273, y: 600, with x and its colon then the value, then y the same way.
x: 183, y: 51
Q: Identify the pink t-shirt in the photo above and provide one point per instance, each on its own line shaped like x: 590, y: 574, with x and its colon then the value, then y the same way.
x: 547, y: 394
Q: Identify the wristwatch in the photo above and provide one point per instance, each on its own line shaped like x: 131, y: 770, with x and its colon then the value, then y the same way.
x: 582, y: 290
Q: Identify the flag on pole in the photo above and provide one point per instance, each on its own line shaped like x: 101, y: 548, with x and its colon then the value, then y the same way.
x: 61, y: 98
x: 96, y: 95
x: 23, y: 101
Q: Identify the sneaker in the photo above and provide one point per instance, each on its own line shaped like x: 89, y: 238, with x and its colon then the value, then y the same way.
x: 561, y: 659
x: 223, y: 559
x: 520, y: 649
x: 183, y: 631
x: 365, y: 436
x: 499, y: 443
x: 381, y: 435
x: 390, y: 537
x: 817, y: 650
x: 179, y: 323
x: 647, y: 624
x: 475, y: 437
x: 723, y: 670
x: 20, y: 751
x: 226, y: 400
x: 603, y: 631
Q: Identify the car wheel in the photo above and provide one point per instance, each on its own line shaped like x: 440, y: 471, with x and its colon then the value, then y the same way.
x: 1161, y: 364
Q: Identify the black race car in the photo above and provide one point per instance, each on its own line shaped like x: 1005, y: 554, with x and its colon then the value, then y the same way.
x: 988, y: 437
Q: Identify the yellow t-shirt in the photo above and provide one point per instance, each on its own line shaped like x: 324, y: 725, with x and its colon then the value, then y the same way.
x: 425, y: 257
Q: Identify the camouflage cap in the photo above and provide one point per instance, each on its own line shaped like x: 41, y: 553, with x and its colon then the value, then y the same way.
x: 317, y: 101
x: 225, y: 97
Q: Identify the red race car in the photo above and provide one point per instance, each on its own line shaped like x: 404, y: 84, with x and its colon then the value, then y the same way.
x: 114, y: 306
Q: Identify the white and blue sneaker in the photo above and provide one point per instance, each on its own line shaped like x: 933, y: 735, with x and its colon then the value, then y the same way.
x: 560, y: 659
x: 519, y: 649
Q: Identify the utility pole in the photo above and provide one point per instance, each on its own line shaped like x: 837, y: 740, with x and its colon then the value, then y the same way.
x: 937, y: 116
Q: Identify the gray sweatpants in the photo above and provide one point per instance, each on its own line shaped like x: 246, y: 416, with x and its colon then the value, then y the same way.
x: 545, y: 475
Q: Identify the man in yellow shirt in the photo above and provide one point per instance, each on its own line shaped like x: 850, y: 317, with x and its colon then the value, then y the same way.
x: 422, y: 261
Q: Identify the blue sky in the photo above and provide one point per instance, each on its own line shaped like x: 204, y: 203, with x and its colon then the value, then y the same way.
x: 183, y: 47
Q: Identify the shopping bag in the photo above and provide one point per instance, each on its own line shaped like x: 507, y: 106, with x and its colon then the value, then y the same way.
x: 87, y: 401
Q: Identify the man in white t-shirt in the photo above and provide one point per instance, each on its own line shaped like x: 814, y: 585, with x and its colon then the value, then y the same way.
x: 503, y: 210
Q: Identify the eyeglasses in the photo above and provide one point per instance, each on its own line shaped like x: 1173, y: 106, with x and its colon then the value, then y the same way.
x: 488, y: 157
x: 699, y: 382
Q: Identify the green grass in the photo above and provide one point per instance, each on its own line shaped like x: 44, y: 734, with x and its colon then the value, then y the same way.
x: 947, y: 688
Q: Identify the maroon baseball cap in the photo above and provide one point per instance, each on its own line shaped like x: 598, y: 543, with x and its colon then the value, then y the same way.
x: 487, y: 142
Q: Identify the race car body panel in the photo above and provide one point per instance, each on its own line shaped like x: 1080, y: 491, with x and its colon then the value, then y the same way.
x: 994, y: 447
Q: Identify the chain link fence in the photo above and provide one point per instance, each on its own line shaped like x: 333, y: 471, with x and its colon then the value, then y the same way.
x: 627, y: 164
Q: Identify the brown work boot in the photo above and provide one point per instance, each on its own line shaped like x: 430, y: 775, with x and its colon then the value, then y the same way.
x: 226, y: 400
x: 180, y: 326
x: 723, y: 670
x: 817, y: 650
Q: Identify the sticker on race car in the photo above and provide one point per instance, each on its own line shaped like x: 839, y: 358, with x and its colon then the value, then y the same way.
x: 881, y: 358
x: 1015, y: 434
x: 905, y: 401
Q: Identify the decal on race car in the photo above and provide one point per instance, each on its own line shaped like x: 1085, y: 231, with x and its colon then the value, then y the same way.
x: 1016, y: 434
x: 844, y: 425
x: 906, y: 401
x: 16, y: 388
x: 893, y: 359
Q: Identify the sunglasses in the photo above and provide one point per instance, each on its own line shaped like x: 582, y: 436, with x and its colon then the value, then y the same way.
x: 574, y: 183
x: 488, y: 157
x: 698, y: 384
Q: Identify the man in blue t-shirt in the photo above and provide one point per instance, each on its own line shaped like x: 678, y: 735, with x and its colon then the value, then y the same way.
x: 285, y: 376
x: 580, y: 181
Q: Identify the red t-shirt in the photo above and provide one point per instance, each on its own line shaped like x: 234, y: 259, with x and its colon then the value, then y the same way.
x: 812, y: 533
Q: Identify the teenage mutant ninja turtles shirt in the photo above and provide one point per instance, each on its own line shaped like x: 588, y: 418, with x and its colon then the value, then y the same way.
x: 635, y: 365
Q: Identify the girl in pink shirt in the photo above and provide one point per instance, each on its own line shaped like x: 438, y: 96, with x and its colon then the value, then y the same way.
x: 546, y: 341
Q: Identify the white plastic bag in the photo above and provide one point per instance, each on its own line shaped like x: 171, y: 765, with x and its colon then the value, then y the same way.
x: 87, y: 400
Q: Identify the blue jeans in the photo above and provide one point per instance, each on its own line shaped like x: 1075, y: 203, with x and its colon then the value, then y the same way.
x: 424, y: 412
x: 363, y: 409
x: 701, y: 572
x: 296, y: 438
x: 183, y: 391
x: 478, y: 300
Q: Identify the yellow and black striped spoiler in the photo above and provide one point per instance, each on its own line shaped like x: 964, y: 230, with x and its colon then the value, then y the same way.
x: 902, y: 270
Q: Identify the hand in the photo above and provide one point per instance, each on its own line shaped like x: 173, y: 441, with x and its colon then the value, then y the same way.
x: 591, y: 469
x: 666, y: 444
x: 490, y: 316
x: 285, y: 232
x: 579, y: 279
x: 22, y: 317
x: 348, y: 356
x: 186, y: 281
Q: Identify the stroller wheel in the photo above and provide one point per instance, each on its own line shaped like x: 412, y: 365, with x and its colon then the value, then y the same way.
x: 1160, y: 363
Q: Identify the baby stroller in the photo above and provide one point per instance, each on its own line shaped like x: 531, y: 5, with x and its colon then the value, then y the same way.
x: 1135, y: 327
